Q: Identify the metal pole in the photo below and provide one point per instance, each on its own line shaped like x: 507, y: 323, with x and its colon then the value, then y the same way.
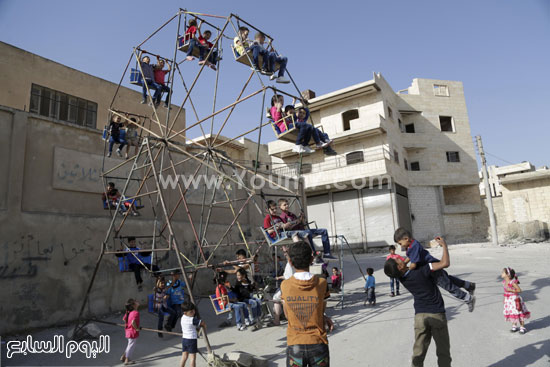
x: 488, y: 195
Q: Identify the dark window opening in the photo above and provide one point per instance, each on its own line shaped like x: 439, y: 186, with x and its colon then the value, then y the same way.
x: 354, y: 157
x: 409, y: 128
x: 50, y: 103
x: 348, y: 116
x: 453, y: 157
x: 446, y: 123
x: 415, y: 166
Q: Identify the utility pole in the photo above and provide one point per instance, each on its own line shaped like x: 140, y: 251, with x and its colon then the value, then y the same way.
x: 488, y: 194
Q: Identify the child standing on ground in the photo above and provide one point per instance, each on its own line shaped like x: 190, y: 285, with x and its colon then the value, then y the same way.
x: 131, y: 322
x: 370, y: 286
x: 514, y: 307
x: 336, y: 279
x: 393, y: 255
x: 189, y: 326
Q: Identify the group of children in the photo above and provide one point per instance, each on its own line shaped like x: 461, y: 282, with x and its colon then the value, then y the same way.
x: 123, y: 134
x: 303, y: 297
x: 154, y: 78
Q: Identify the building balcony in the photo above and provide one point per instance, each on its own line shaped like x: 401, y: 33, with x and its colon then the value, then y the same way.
x: 340, y: 169
x: 359, y: 129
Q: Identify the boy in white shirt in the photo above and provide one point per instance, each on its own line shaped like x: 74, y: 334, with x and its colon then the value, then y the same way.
x: 189, y: 326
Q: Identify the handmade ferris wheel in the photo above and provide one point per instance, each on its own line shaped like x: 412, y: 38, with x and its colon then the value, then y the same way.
x: 164, y: 149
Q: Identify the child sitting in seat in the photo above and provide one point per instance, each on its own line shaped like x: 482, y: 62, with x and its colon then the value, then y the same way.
x: 190, y: 37
x: 258, y: 49
x: 115, y: 130
x: 274, y: 58
x: 160, y: 77
x: 110, y: 197
x: 321, y: 139
x: 244, y: 289
x: 240, y: 308
x: 207, y: 46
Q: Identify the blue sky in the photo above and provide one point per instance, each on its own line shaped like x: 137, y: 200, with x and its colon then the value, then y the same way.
x: 498, y: 49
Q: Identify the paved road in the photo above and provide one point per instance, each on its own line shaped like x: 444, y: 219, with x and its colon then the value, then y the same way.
x: 383, y: 335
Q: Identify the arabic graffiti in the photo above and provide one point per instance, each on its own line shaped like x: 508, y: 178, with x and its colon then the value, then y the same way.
x: 72, y: 173
x: 23, y: 256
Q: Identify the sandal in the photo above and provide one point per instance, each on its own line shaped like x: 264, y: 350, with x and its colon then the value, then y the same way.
x: 522, y: 330
x: 514, y: 329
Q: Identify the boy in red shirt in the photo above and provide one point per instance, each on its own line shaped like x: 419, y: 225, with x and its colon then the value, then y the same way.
x: 160, y: 76
x: 393, y: 255
x: 207, y: 46
x: 276, y: 227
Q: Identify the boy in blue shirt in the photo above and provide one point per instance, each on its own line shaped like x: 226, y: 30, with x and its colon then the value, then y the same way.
x: 370, y: 286
x: 175, y: 290
x: 418, y: 256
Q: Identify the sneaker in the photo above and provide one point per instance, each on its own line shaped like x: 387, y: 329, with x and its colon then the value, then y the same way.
x: 126, y: 156
x: 392, y: 294
x: 472, y: 288
x: 397, y: 294
x: 298, y: 149
x: 329, y: 151
x: 514, y: 329
x: 522, y: 330
x: 282, y: 80
x: 212, y: 66
x: 328, y: 256
x: 471, y: 304
x: 265, y: 72
x: 273, y: 77
x: 109, y: 155
x: 135, y: 214
x: 325, y: 144
x: 241, y: 327
x: 143, y: 101
x: 307, y: 149
x: 189, y: 58
x: 119, y: 153
x: 248, y: 322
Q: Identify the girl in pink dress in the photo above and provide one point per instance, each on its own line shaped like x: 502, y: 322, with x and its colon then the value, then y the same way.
x: 514, y: 307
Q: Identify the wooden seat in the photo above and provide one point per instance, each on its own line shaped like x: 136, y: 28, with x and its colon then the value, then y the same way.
x: 291, y: 132
x: 183, y: 46
x: 243, y: 59
x: 216, y: 304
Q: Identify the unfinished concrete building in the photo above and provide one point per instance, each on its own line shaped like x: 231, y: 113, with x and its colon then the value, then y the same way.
x: 404, y: 159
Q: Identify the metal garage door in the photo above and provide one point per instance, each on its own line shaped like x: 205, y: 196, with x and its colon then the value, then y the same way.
x: 378, y: 211
x: 347, y: 216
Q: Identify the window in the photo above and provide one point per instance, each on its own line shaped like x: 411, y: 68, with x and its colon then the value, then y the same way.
x: 406, y: 164
x: 446, y: 123
x: 50, y: 103
x: 354, y: 157
x: 441, y: 90
x: 306, y: 168
x: 453, y: 157
x: 348, y: 116
x: 409, y: 128
x: 396, y: 156
x: 415, y: 166
x: 390, y: 112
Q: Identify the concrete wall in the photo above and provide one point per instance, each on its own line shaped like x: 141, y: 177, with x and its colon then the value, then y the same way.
x: 53, y: 224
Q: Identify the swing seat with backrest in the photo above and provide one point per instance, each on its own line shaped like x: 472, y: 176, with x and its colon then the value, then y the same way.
x: 280, y: 238
x: 248, y: 57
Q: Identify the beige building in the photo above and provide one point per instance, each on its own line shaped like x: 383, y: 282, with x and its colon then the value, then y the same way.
x: 415, y: 143
x: 496, y: 173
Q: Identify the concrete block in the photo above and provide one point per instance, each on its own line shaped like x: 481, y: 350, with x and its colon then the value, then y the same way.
x: 242, y: 358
